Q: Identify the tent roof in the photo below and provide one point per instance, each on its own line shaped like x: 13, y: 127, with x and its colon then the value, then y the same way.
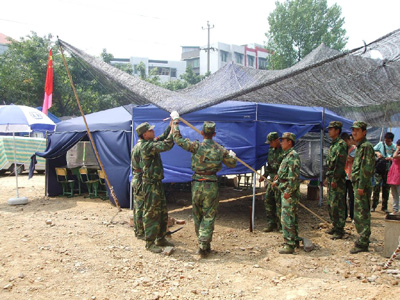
x: 350, y: 83
x: 118, y: 118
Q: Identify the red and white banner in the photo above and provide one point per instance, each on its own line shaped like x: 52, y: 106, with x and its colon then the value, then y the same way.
x: 48, y: 88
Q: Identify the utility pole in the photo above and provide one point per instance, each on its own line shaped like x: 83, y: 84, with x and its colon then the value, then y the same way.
x: 208, y: 45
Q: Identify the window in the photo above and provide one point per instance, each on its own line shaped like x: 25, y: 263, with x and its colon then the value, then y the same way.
x: 239, y: 58
x: 262, y: 63
x: 173, y: 73
x: 250, y: 61
x: 224, y: 56
x: 193, y: 63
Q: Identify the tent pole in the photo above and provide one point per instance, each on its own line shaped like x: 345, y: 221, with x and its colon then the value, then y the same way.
x: 253, y: 205
x: 321, y: 165
x: 130, y: 183
x: 46, y: 175
x: 88, y: 132
x: 15, y: 164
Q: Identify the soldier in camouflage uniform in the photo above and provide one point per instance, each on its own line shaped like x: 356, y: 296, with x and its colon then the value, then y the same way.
x: 207, y: 158
x: 272, y: 200
x: 336, y: 177
x: 289, y: 185
x: 155, y: 217
x: 361, y: 174
x: 138, y: 196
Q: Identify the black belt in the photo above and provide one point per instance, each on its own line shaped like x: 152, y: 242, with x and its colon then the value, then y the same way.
x: 206, y: 173
x: 204, y: 180
x: 282, y: 180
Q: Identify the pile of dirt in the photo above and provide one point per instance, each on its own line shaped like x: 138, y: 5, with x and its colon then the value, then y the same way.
x: 81, y: 248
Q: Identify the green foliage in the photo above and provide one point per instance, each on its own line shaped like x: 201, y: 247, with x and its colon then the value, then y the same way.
x: 23, y: 70
x: 141, y: 69
x: 190, y: 77
x: 296, y: 27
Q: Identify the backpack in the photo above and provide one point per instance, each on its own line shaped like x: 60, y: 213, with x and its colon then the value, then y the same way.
x: 380, y: 163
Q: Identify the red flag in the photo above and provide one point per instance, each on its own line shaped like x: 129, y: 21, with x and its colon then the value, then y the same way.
x: 48, y: 88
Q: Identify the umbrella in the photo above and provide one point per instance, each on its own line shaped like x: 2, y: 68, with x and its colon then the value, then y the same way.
x: 20, y: 118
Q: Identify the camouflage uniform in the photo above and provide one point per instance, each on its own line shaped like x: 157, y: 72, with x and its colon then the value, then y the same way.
x: 138, y: 196
x: 336, y: 162
x: 288, y: 178
x: 272, y: 200
x: 361, y: 174
x: 206, y: 162
x: 155, y: 217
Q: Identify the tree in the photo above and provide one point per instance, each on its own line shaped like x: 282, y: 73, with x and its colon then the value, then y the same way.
x: 23, y: 72
x: 190, y: 77
x: 296, y: 27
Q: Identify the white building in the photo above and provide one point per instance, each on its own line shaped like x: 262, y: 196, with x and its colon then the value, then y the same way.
x: 251, y: 55
x: 3, y: 43
x: 166, y: 70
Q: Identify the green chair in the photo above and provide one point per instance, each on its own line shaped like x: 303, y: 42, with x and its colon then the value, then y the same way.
x: 67, y: 184
x: 92, y: 184
x: 102, y: 181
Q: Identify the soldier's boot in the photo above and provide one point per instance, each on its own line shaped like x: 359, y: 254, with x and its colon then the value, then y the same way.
x: 337, y: 236
x: 269, y: 228
x: 164, y: 243
x: 202, y: 253
x: 153, y: 247
x: 287, y: 249
x: 140, y: 236
x: 330, y: 231
x: 357, y: 249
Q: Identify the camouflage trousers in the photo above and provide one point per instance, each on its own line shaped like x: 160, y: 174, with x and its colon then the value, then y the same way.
x: 380, y: 179
x: 272, y: 203
x: 362, y: 216
x: 155, y: 214
x: 337, y: 204
x: 205, y: 205
x: 289, y: 218
x: 138, y: 200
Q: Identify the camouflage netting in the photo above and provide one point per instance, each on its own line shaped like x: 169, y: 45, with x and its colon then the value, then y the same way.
x: 355, y: 84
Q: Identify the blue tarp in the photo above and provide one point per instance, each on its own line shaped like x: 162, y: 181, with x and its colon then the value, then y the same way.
x: 111, y: 131
x: 241, y: 127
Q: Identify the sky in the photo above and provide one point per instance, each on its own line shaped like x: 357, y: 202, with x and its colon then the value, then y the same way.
x: 157, y: 29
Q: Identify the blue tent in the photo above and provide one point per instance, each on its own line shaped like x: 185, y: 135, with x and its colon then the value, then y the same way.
x: 241, y: 127
x: 50, y: 115
x: 111, y: 131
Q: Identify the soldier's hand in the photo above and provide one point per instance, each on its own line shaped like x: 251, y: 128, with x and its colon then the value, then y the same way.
x: 232, y: 154
x: 286, y: 195
x: 360, y: 192
x: 333, y: 185
x: 261, y: 179
x: 273, y: 183
x: 275, y: 178
x: 174, y: 115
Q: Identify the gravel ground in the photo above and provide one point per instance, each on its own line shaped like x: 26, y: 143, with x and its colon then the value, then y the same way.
x: 80, y: 248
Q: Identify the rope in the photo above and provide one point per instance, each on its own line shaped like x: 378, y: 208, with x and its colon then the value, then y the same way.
x: 393, y: 257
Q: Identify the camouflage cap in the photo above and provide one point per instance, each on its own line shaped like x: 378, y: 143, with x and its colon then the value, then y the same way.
x: 272, y: 136
x: 208, y: 127
x: 289, y: 135
x: 142, y: 128
x: 335, y: 124
x: 360, y: 124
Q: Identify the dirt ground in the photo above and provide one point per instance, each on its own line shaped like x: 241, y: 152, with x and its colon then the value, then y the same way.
x: 80, y: 248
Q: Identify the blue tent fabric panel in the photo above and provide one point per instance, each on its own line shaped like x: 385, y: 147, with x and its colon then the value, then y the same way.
x: 111, y: 119
x: 112, y: 146
x: 240, y: 126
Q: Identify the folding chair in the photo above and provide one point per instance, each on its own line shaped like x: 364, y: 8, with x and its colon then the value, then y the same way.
x: 62, y: 177
x: 102, y: 181
x: 92, y: 184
